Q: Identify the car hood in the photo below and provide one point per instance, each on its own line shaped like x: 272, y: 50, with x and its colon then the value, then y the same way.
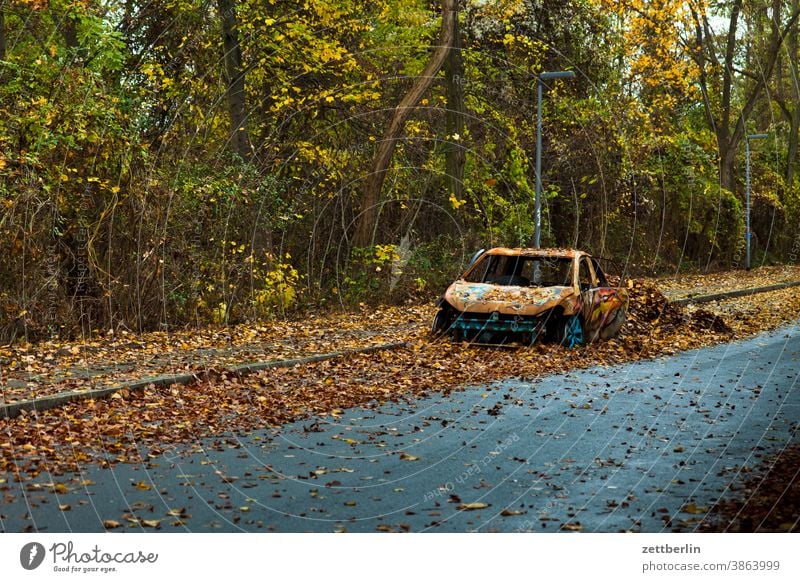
x: 508, y: 299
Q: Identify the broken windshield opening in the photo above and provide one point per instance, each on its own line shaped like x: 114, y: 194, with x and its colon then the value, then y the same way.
x: 522, y: 271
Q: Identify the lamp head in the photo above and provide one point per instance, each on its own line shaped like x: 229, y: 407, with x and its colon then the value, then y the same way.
x: 556, y: 75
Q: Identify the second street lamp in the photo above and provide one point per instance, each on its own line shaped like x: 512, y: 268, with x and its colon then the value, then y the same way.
x: 537, y: 233
x: 747, y: 193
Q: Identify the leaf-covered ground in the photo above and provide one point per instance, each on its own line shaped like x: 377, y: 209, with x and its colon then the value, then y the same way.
x: 690, y: 285
x: 131, y: 424
x: 31, y: 371
x: 767, y: 501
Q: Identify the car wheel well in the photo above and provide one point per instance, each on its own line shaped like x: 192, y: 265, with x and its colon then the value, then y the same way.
x: 443, y: 320
x: 552, y: 319
x: 555, y: 322
x: 570, y: 331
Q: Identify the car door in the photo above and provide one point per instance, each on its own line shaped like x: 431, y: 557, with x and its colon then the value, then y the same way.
x: 603, y: 306
x: 587, y: 285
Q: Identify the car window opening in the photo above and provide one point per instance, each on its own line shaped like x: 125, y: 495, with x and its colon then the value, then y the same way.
x: 522, y: 271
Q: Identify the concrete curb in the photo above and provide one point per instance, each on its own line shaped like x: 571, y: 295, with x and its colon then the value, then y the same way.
x: 14, y: 409
x: 732, y: 294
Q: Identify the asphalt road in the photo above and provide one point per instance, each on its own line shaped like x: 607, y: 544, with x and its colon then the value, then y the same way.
x: 643, y: 447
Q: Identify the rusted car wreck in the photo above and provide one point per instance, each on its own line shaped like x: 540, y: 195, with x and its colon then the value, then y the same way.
x: 561, y: 295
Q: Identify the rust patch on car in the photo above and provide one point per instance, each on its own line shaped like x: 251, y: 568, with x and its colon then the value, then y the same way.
x: 510, y: 300
x: 520, y: 252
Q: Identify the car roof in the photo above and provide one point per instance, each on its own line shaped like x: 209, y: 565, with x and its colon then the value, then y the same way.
x: 528, y: 252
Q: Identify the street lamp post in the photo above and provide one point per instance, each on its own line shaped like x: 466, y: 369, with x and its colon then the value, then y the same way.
x: 747, y: 193
x: 537, y: 234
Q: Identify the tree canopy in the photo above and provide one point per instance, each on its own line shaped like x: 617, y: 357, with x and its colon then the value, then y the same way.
x: 183, y: 162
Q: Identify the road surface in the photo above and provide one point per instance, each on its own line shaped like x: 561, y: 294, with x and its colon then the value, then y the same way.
x: 647, y: 447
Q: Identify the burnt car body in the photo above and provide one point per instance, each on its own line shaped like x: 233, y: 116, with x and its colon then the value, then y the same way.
x: 557, y: 294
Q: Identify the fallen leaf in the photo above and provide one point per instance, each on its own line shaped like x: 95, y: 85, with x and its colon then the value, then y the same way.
x: 472, y: 506
x: 694, y: 509
x: 130, y: 518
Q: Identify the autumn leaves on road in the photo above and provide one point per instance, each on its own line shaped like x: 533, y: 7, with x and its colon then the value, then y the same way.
x: 117, y: 429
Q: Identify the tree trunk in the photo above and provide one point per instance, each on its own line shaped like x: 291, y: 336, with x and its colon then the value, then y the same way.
x: 726, y: 145
x: 234, y: 78
x: 70, y: 33
x: 454, y: 126
x: 794, y: 91
x: 2, y: 31
x: 727, y: 164
x: 374, y: 182
x: 730, y: 135
x: 791, y: 156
